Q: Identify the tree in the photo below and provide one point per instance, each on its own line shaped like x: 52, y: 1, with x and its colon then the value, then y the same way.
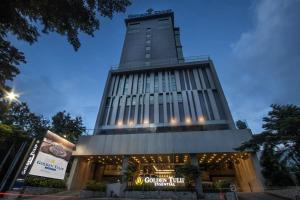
x: 64, y: 125
x: 241, y: 124
x: 27, y: 19
x: 21, y: 119
x: 279, y: 140
x: 189, y: 172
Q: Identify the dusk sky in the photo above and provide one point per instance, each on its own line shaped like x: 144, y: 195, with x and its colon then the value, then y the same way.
x: 254, y: 44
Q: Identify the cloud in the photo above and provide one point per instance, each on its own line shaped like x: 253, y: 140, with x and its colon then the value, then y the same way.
x: 266, y: 61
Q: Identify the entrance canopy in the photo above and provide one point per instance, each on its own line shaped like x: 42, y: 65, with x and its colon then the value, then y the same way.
x: 162, y: 143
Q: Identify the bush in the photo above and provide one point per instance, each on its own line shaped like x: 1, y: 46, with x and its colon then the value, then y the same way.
x: 95, y: 186
x: 37, y: 181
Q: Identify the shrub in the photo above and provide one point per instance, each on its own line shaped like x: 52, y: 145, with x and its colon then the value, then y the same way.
x: 95, y: 186
x: 37, y: 181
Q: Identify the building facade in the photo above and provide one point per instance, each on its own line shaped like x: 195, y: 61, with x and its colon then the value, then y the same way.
x: 160, y: 111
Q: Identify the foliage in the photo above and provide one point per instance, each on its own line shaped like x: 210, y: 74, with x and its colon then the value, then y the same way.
x: 189, y: 172
x: 95, y: 186
x: 22, y: 119
x: 37, y: 181
x: 27, y: 19
x: 64, y: 125
x: 241, y: 124
x: 280, y: 142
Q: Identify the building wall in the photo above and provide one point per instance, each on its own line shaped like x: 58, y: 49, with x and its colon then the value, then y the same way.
x: 163, y: 97
x: 149, y: 41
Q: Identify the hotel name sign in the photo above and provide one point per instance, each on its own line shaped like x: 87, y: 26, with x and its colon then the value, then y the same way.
x: 169, y: 181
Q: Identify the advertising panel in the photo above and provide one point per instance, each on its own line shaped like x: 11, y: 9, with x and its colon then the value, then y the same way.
x: 53, y: 156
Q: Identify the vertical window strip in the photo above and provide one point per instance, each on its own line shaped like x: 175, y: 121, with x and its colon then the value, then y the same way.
x: 181, y: 80
x: 187, y: 80
x: 193, y: 82
x: 206, y: 78
x: 212, y: 117
x: 219, y: 104
x: 202, y: 104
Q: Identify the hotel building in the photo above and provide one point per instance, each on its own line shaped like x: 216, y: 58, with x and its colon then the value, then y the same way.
x: 159, y: 111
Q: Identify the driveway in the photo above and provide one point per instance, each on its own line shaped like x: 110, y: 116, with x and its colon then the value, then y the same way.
x: 257, y: 196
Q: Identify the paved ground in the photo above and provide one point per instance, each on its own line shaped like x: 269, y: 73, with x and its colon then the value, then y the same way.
x: 257, y: 196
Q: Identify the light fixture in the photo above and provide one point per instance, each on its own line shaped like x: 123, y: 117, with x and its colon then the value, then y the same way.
x: 146, y: 122
x: 173, y: 121
x: 11, y: 96
x: 201, y: 119
x: 188, y: 120
x: 120, y: 123
x: 130, y: 123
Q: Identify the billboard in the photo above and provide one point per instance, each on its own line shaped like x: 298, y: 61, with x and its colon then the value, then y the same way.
x: 53, y: 157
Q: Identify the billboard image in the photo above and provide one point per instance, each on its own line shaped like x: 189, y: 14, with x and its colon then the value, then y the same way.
x: 53, y: 157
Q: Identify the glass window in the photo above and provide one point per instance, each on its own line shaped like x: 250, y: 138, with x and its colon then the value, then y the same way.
x: 147, y: 55
x: 161, y: 108
x: 126, y: 88
x: 209, y: 105
x: 148, y: 83
x: 181, y: 77
x: 156, y: 82
x: 151, y: 109
x: 148, y: 48
x: 163, y: 82
x: 173, y: 82
x: 140, y: 83
x: 180, y: 106
x: 202, y: 104
x: 187, y: 80
x: 148, y: 29
x: 148, y: 36
x: 205, y: 78
x: 193, y: 82
x: 148, y: 41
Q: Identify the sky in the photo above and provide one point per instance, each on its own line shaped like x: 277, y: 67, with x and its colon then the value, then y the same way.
x: 254, y: 44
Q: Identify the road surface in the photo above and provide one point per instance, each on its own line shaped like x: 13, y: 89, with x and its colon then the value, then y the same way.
x: 257, y: 196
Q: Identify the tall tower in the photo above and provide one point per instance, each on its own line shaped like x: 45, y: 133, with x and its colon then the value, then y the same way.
x: 160, y: 111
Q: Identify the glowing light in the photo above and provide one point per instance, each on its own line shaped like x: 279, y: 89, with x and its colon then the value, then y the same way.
x: 130, y: 123
x: 11, y: 96
x: 120, y: 123
x: 188, y: 120
x: 173, y: 121
x: 146, y: 121
x: 201, y: 119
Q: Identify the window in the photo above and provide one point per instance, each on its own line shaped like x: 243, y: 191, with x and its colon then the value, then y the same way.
x: 202, y: 104
x: 168, y: 107
x: 212, y: 117
x: 156, y: 82
x: 148, y: 36
x: 148, y: 29
x: 132, y: 109
x: 147, y: 83
x: 148, y: 48
x: 148, y: 41
x: 126, y: 86
x: 181, y: 77
x: 147, y: 55
x: 193, y: 82
x: 105, y: 111
x: 161, y: 108
x: 180, y: 106
x: 163, y: 82
x: 205, y: 78
x: 147, y: 63
x: 110, y: 111
x: 126, y: 111
x: 219, y: 104
x: 118, y: 110
x: 139, y: 117
x: 173, y: 82
x: 151, y: 109
x: 140, y: 83
x: 187, y: 80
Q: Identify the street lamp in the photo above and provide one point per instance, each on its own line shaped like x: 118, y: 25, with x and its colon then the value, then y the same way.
x: 11, y: 96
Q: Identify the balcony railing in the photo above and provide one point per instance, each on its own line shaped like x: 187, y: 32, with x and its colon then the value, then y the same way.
x: 160, y: 62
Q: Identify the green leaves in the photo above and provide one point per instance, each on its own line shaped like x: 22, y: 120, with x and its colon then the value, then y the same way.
x: 280, y: 143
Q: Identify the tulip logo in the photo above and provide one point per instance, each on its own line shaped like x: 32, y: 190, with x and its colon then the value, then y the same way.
x: 138, y: 181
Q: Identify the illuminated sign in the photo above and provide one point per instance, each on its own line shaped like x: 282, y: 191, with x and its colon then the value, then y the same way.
x: 169, y: 181
x: 53, y: 157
